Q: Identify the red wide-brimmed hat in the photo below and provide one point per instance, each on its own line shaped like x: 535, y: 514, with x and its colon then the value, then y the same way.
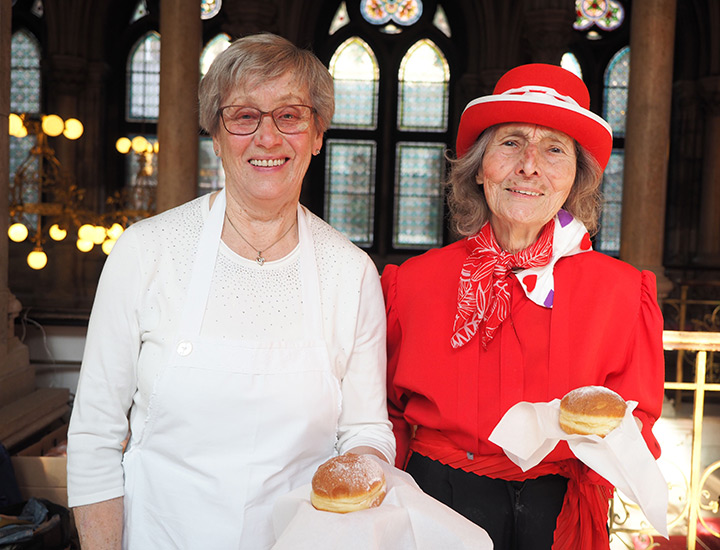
x: 542, y: 94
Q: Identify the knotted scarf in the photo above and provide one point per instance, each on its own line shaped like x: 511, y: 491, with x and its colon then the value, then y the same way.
x: 484, y: 290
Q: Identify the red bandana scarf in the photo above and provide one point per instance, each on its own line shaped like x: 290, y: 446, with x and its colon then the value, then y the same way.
x: 483, y: 292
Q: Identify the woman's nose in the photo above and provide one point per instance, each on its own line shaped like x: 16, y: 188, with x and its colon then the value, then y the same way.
x: 528, y: 163
x: 267, y: 133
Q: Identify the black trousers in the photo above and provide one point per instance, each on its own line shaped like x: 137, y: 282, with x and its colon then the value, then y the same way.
x: 518, y: 515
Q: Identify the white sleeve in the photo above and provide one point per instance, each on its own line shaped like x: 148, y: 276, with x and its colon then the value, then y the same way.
x: 364, y: 417
x: 108, y: 380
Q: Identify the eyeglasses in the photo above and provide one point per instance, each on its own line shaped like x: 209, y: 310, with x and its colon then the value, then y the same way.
x: 289, y: 119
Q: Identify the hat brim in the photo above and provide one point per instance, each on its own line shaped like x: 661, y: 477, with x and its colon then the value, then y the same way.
x: 584, y: 126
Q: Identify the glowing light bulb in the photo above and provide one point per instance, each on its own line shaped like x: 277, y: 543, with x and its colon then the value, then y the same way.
x: 86, y: 232
x: 115, y: 231
x: 16, y: 126
x: 57, y: 233
x: 107, y: 246
x: 99, y: 234
x: 17, y: 232
x: 139, y: 144
x: 123, y: 145
x: 37, y: 259
x: 84, y: 246
x: 52, y: 125
x: 73, y: 128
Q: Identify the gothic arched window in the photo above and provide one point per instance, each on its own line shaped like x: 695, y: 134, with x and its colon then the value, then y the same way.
x: 210, y: 173
x: 25, y: 81
x: 615, y: 96
x: 143, y: 79
x: 385, y: 149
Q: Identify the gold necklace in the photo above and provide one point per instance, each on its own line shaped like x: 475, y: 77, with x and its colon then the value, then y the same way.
x: 260, y: 259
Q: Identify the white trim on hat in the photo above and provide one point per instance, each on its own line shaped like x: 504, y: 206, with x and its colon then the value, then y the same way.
x: 541, y: 95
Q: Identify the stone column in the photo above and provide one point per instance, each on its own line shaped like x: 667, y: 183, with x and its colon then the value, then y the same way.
x: 647, y: 137
x: 181, y: 38
x: 709, y: 241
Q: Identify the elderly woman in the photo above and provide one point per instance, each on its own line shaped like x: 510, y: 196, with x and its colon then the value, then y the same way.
x: 521, y: 309
x: 238, y: 338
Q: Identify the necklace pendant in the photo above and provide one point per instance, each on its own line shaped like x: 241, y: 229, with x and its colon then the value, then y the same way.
x: 260, y: 260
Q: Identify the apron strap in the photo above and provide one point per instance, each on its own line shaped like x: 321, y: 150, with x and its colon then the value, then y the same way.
x: 203, y: 268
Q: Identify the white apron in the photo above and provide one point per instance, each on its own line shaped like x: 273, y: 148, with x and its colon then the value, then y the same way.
x: 231, y: 425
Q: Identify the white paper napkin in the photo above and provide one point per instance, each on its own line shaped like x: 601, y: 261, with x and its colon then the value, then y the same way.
x: 621, y: 457
x: 407, y: 519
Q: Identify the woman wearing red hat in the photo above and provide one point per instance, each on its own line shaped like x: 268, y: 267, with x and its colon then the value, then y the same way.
x: 520, y: 309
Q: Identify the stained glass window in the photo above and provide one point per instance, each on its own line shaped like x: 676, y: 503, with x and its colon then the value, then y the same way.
x: 418, y: 214
x: 423, y: 89
x: 24, y: 88
x: 211, y: 51
x: 402, y: 12
x: 143, y: 79
x: 617, y: 76
x: 25, y: 73
x: 570, y: 63
x: 608, y: 238
x: 441, y: 22
x: 210, y: 8
x: 210, y: 173
x: 350, y: 188
x: 139, y: 12
x: 340, y: 19
x: 608, y: 15
x: 355, y: 71
x: 615, y: 98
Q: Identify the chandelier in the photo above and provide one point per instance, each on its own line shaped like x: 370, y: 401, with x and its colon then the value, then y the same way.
x: 44, y: 199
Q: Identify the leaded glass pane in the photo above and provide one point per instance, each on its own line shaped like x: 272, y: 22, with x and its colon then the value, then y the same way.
x: 24, y: 73
x: 441, y: 22
x: 140, y: 11
x: 419, y: 173
x: 606, y: 14
x: 355, y: 71
x: 570, y: 63
x: 210, y: 8
x: 210, y: 173
x: 212, y: 50
x: 608, y: 239
x: 143, y: 79
x: 340, y: 19
x: 617, y: 76
x: 25, y: 79
x: 350, y: 186
x: 402, y: 12
x: 423, y: 92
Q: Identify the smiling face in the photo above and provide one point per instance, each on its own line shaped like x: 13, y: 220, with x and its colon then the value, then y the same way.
x: 267, y: 168
x: 527, y: 173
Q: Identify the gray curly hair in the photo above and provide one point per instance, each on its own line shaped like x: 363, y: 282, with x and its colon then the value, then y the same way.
x: 257, y: 58
x: 466, y: 199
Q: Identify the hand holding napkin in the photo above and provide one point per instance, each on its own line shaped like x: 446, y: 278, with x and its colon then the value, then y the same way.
x: 621, y: 457
x: 407, y: 519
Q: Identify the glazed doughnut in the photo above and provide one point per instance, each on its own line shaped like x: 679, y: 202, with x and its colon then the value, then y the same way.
x: 348, y: 483
x: 591, y: 410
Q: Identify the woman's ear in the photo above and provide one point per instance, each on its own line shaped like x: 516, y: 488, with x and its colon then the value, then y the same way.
x: 479, y: 178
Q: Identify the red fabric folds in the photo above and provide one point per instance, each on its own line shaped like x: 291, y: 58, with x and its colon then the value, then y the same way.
x: 582, y: 522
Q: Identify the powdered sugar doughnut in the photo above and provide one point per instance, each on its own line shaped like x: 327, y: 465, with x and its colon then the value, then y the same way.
x: 348, y: 483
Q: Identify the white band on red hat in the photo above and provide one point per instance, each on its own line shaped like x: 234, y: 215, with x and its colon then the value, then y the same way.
x: 542, y: 96
x: 540, y: 90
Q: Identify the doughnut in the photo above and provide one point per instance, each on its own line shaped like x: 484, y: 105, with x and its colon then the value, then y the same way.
x: 348, y: 483
x: 591, y: 410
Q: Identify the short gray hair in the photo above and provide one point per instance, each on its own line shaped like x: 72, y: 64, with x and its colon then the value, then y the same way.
x: 466, y: 199
x: 257, y: 58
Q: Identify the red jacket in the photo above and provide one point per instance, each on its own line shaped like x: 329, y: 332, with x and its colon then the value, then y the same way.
x: 605, y: 328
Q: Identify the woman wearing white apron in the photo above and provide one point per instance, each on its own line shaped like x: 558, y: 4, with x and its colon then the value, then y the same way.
x: 241, y: 369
